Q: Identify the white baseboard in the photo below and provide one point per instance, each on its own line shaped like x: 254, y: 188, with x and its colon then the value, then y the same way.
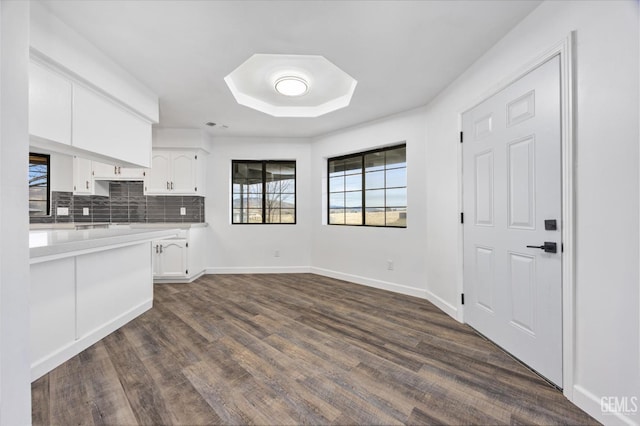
x: 442, y: 304
x: 383, y: 285
x: 260, y: 270
x: 178, y: 280
x: 42, y: 366
x: 590, y: 403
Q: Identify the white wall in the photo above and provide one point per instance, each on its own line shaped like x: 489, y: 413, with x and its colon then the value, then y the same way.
x: 15, y: 389
x: 250, y: 248
x: 360, y: 254
x: 607, y: 352
x: 179, y: 138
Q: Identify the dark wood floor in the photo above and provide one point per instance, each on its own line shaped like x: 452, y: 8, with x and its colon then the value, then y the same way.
x: 294, y: 349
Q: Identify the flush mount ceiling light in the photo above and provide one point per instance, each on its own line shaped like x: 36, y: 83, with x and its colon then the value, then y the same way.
x: 291, y: 85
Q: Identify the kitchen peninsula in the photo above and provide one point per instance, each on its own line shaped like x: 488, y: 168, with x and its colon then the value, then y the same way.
x: 86, y: 284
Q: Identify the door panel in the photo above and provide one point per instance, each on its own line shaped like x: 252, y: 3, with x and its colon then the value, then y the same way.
x: 511, y: 184
x: 520, y: 163
x: 484, y: 188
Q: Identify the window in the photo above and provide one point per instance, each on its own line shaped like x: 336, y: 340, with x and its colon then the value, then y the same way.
x: 369, y: 188
x: 38, y: 184
x: 263, y: 192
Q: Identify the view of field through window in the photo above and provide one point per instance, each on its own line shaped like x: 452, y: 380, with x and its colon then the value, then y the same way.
x: 38, y: 185
x: 264, y: 192
x: 369, y: 188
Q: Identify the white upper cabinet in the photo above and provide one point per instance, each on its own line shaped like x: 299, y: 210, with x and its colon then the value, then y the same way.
x: 184, y: 172
x: 103, y: 127
x: 173, y: 173
x: 49, y: 105
x: 73, y: 117
x: 102, y: 171
x: 82, y: 178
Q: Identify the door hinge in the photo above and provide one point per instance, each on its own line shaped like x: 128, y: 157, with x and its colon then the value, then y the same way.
x: 74, y: 187
x: 186, y: 244
x: 461, y: 137
x: 461, y: 217
x: 196, y: 156
x: 186, y: 272
x: 144, y: 173
x: 195, y: 189
x: 462, y: 298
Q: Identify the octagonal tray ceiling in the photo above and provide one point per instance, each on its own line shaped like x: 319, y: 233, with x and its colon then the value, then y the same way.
x: 328, y: 87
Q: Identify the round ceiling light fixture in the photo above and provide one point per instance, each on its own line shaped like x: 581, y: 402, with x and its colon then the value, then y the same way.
x: 292, y: 86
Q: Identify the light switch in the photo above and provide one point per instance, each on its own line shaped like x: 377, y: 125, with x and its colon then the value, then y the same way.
x: 62, y: 211
x: 183, y: 211
x: 85, y: 211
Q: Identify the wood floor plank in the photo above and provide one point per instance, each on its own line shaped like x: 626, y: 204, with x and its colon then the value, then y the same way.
x: 66, y: 384
x: 109, y: 403
x: 144, y: 397
x: 278, y: 349
x: 40, y: 400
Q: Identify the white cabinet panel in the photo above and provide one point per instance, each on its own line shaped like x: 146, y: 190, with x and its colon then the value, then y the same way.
x: 173, y: 173
x: 105, y: 292
x: 197, y: 249
x: 102, y: 171
x: 105, y: 128
x: 82, y: 179
x: 184, y: 173
x: 170, y: 258
x: 49, y: 105
x: 52, y: 301
x: 158, y: 179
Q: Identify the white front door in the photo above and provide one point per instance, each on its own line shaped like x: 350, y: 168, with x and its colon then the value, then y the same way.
x: 512, y: 199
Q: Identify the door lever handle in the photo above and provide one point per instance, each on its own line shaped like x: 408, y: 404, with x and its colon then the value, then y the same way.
x: 548, y: 247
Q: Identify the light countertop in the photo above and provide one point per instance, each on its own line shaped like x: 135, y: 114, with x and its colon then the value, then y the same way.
x: 59, y: 243
x: 135, y: 225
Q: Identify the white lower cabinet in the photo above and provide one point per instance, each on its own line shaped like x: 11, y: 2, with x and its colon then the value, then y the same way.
x: 77, y: 300
x: 170, y: 258
x: 181, y: 259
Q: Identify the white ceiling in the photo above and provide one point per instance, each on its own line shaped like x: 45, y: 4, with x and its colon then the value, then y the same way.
x: 402, y: 53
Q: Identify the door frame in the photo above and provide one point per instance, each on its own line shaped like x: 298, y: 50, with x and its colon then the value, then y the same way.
x: 563, y: 49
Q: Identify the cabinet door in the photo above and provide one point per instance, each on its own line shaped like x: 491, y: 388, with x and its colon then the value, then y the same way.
x: 130, y: 173
x: 102, y: 170
x: 82, y: 179
x: 49, y: 105
x: 173, y: 258
x: 158, y: 178
x: 104, y: 127
x: 155, y: 256
x: 184, y: 173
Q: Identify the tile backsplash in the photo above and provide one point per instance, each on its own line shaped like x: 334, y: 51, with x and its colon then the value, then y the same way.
x: 126, y: 203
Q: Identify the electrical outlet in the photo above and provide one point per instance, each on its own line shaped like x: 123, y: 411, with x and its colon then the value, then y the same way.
x: 62, y: 211
x: 183, y: 211
x: 390, y: 265
x: 85, y: 211
x: 276, y: 253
